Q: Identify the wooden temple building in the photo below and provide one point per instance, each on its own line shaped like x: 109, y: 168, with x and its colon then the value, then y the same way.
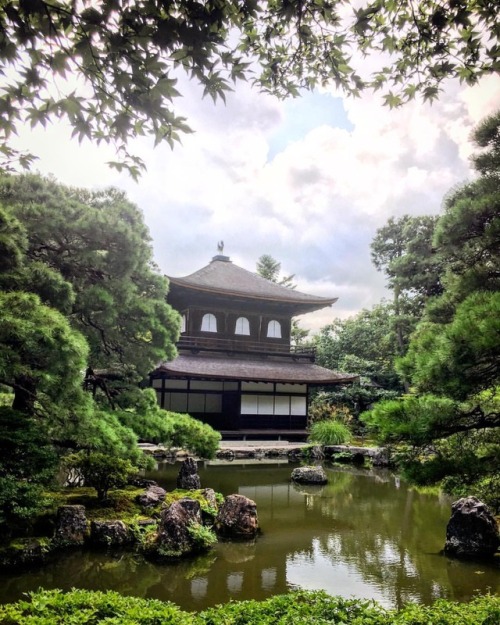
x: 236, y: 368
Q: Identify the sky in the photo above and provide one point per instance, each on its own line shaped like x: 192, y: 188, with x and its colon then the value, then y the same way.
x: 307, y: 180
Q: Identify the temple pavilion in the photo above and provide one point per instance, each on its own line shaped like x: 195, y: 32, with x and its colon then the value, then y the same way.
x: 236, y: 368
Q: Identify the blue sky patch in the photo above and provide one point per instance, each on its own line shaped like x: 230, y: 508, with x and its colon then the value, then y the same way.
x: 301, y: 115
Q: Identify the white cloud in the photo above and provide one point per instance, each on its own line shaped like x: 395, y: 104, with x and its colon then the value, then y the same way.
x: 314, y: 206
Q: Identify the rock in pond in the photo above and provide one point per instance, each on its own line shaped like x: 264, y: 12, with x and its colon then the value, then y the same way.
x: 188, y: 478
x: 210, y: 497
x: 174, y: 538
x: 153, y: 495
x: 472, y: 530
x: 109, y: 533
x: 237, y: 518
x: 25, y: 552
x: 309, y: 475
x: 71, y: 526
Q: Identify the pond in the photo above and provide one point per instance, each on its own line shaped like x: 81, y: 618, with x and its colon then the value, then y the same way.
x: 365, y: 534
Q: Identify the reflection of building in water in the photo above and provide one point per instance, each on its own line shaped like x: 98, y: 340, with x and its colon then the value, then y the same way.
x: 268, y: 578
x: 357, y: 534
x: 235, y: 582
x: 199, y: 586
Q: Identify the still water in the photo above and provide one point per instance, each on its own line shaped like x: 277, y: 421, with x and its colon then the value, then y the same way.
x: 365, y: 534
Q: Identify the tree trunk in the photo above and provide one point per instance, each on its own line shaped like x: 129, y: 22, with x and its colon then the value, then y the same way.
x: 24, y: 395
x: 399, y: 332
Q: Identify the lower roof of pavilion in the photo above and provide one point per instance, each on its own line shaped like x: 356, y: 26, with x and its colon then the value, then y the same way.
x: 212, y: 367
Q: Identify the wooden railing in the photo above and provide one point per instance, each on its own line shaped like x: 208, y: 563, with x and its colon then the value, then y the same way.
x: 204, y: 343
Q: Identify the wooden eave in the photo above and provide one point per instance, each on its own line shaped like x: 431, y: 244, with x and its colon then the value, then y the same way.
x: 232, y: 369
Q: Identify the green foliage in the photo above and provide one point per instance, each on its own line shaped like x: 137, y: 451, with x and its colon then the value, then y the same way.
x: 356, y: 398
x: 199, y: 496
x: 13, y: 242
x: 27, y: 462
x: 269, y: 268
x: 447, y: 441
x: 78, y: 287
x: 321, y: 409
x: 111, y: 70
x: 97, y: 243
x: 365, y: 344
x: 451, y: 421
x: 101, y: 471
x: 193, y: 435
x: 414, y: 419
x: 24, y: 451
x: 139, y: 411
x: 482, y: 610
x: 298, y: 335
x: 41, y: 356
x: 203, y: 537
x: 487, y: 136
x: 306, y: 608
x: 85, y: 607
x: 329, y: 432
x: 462, y: 357
x: 403, y: 249
x: 467, y: 236
x: 82, y: 607
x: 20, y: 502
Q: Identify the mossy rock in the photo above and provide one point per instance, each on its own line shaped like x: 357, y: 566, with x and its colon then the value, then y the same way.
x: 26, y: 552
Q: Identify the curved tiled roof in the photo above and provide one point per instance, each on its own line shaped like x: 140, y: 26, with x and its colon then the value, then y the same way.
x: 223, y: 277
x: 212, y: 367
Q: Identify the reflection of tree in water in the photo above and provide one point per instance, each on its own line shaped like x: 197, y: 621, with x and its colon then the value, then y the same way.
x: 362, y: 523
x: 124, y: 572
x: 91, y: 570
x: 391, y: 534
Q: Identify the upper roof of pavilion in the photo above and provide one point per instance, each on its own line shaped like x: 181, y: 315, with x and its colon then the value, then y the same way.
x: 222, y: 277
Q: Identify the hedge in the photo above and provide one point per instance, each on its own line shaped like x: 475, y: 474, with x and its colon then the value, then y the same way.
x: 86, y: 607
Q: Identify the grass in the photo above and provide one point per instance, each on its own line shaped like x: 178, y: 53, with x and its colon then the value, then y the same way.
x: 329, y: 432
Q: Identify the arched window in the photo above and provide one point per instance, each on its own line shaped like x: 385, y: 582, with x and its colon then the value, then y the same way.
x: 274, y: 329
x: 242, y: 326
x: 183, y: 323
x: 209, y: 323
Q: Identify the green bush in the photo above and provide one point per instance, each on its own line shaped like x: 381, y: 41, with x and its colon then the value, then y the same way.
x: 329, y: 432
x: 193, y: 435
x: 298, y: 608
x: 27, y: 464
x: 480, y: 611
x: 203, y: 537
x: 322, y: 410
x: 87, y: 607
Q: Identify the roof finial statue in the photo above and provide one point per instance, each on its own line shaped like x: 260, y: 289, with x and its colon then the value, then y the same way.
x: 220, y: 247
